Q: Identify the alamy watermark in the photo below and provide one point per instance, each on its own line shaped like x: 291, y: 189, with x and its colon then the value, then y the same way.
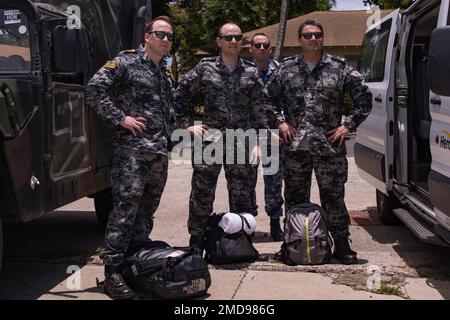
x: 228, y: 146
x: 73, y: 282
x: 374, y: 279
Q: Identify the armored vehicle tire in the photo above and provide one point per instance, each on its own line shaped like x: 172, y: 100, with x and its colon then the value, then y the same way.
x: 103, y: 206
x: 385, y: 205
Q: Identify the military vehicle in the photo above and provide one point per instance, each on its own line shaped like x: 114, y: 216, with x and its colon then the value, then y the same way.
x: 53, y: 149
x: 402, y: 148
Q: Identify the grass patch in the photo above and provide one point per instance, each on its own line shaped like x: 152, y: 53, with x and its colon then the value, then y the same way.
x: 387, y: 289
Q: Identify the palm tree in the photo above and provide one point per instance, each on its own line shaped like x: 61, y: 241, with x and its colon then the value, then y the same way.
x: 282, y: 29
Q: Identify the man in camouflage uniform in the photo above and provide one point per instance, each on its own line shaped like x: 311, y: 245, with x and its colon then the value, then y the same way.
x: 133, y: 95
x: 261, y: 51
x: 233, y: 99
x: 310, y: 89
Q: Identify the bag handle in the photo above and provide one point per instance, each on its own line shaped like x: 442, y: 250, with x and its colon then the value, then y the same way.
x: 144, y: 267
x: 244, y: 220
x: 147, y: 266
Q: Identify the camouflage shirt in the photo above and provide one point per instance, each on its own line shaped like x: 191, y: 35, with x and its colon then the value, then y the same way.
x: 231, y: 99
x: 132, y: 85
x: 312, y: 101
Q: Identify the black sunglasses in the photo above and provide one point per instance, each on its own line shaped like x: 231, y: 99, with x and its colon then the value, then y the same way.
x: 162, y: 34
x: 308, y: 35
x: 229, y: 38
x: 261, y: 45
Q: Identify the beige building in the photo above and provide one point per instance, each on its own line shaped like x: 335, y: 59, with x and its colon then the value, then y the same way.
x: 344, y: 32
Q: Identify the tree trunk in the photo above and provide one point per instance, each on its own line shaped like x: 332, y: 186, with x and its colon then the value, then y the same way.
x: 174, y: 70
x: 281, y: 30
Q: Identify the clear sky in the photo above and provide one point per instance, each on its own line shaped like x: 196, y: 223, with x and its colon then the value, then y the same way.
x: 349, y: 5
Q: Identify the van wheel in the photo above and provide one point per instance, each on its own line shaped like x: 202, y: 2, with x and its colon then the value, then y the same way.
x: 385, y: 205
x: 103, y: 206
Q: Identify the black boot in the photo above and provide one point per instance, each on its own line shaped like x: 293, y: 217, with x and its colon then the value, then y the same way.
x: 196, y: 241
x: 281, y: 254
x: 115, y: 286
x: 342, y: 251
x: 275, y: 230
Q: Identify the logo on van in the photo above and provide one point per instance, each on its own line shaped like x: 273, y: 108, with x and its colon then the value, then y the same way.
x: 443, y: 139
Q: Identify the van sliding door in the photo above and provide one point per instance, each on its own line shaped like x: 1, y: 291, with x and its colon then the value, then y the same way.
x: 374, y: 148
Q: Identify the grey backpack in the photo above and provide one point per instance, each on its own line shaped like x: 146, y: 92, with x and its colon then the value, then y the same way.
x: 306, y: 237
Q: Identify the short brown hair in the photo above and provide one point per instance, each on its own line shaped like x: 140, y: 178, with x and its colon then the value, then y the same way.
x: 149, y: 27
x: 309, y: 22
x: 259, y: 34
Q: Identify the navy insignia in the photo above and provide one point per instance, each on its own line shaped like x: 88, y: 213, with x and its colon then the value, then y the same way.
x: 111, y: 65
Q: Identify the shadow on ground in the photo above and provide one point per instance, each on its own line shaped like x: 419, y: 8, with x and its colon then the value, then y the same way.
x: 48, y: 246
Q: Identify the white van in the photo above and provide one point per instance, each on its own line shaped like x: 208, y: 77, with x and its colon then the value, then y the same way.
x: 403, y: 148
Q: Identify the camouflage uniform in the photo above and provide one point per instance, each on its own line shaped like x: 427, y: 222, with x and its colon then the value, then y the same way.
x: 313, y: 102
x: 272, y: 183
x: 132, y: 85
x: 232, y: 100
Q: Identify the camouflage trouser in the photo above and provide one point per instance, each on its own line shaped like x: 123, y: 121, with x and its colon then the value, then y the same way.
x: 138, y: 181
x: 331, y: 175
x: 273, y: 184
x: 203, y: 184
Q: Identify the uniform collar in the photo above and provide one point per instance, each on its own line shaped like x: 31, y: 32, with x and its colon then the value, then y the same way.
x: 219, y: 62
x: 146, y: 59
x: 272, y: 66
x: 324, y: 60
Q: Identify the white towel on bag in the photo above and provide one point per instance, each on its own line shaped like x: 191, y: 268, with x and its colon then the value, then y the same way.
x: 232, y: 223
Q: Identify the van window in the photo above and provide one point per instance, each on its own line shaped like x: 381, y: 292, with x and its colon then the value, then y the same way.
x: 14, y: 41
x: 373, y: 56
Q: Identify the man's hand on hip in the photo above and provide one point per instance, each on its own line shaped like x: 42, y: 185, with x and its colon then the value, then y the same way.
x: 198, y: 130
x: 338, y: 134
x: 134, y: 124
x: 287, y: 131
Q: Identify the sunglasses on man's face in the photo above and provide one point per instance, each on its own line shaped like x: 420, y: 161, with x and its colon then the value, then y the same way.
x: 229, y: 38
x: 261, y: 45
x: 309, y: 35
x: 162, y: 34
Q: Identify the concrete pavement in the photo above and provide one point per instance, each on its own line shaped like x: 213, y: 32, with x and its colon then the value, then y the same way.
x: 39, y: 253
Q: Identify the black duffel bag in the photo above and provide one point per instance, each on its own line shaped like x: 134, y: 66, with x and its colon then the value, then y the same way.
x: 157, y: 268
x: 224, y: 248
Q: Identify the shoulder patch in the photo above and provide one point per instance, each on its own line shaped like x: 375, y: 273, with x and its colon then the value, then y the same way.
x: 111, y: 65
x: 167, y: 73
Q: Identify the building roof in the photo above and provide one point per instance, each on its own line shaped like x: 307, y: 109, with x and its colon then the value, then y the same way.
x: 341, y: 28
